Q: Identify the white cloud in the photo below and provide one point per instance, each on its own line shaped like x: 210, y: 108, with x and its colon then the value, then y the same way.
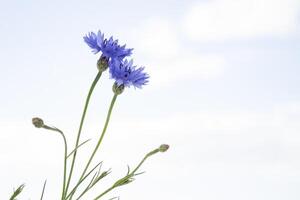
x: 220, y: 20
x: 282, y: 119
x: 223, y: 146
x: 185, y: 67
x: 164, y: 48
x: 156, y: 37
x: 256, y: 137
x: 168, y: 58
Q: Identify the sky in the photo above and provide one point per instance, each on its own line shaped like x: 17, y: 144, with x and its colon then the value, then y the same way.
x: 223, y: 93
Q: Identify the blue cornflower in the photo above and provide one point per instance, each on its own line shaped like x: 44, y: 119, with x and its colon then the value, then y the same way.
x: 91, y: 40
x: 128, y: 75
x: 109, y: 47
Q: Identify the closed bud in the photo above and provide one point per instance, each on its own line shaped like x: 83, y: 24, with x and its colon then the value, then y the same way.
x: 163, y: 147
x: 37, y: 122
x: 105, y: 173
x: 102, y: 63
x: 118, y: 89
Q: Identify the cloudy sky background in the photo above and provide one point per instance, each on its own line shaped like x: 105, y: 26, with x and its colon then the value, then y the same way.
x: 224, y: 93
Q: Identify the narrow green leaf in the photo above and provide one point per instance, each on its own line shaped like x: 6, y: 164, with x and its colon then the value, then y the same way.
x: 17, y: 192
x: 78, y: 147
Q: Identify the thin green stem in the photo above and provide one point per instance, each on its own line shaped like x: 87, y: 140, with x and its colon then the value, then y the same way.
x: 101, y: 137
x: 91, y: 184
x: 102, y: 134
x: 74, y: 189
x: 80, y: 127
x: 105, y: 192
x: 145, y: 158
x: 130, y: 175
x: 65, y: 157
x: 97, y: 177
x: 43, y: 191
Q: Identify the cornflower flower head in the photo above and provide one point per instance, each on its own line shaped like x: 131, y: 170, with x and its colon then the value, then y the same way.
x: 126, y: 74
x: 109, y: 48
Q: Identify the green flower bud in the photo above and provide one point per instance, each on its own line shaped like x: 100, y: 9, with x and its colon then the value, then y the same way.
x: 163, y: 147
x: 102, y: 64
x: 118, y: 89
x: 37, y: 122
x: 105, y: 173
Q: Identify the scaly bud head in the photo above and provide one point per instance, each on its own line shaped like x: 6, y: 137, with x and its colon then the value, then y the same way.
x: 37, y: 122
x: 102, y: 63
x: 118, y: 89
x: 163, y: 147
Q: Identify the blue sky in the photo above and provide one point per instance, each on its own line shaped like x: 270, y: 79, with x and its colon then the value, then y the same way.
x: 224, y: 92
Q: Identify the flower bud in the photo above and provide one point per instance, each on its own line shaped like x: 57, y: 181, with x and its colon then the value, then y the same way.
x: 118, y: 89
x: 105, y: 173
x: 37, y: 122
x: 163, y: 147
x: 102, y: 63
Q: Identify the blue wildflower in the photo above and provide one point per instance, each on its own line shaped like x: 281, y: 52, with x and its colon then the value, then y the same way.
x: 109, y: 47
x: 91, y: 40
x: 128, y: 75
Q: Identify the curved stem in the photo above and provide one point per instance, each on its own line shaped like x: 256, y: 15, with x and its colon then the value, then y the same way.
x: 65, y: 165
x: 145, y: 158
x: 65, y: 157
x: 121, y: 181
x: 100, y: 139
x: 80, y: 127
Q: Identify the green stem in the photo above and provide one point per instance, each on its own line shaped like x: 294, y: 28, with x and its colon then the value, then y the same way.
x: 120, y: 181
x: 96, y: 178
x: 91, y: 184
x: 105, y: 192
x: 102, y: 134
x: 65, y: 157
x: 145, y: 158
x: 43, y: 191
x: 74, y: 189
x: 80, y: 127
x: 101, y: 137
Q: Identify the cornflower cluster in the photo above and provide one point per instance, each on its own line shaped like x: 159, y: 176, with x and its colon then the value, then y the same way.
x: 113, y: 56
x: 125, y: 74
